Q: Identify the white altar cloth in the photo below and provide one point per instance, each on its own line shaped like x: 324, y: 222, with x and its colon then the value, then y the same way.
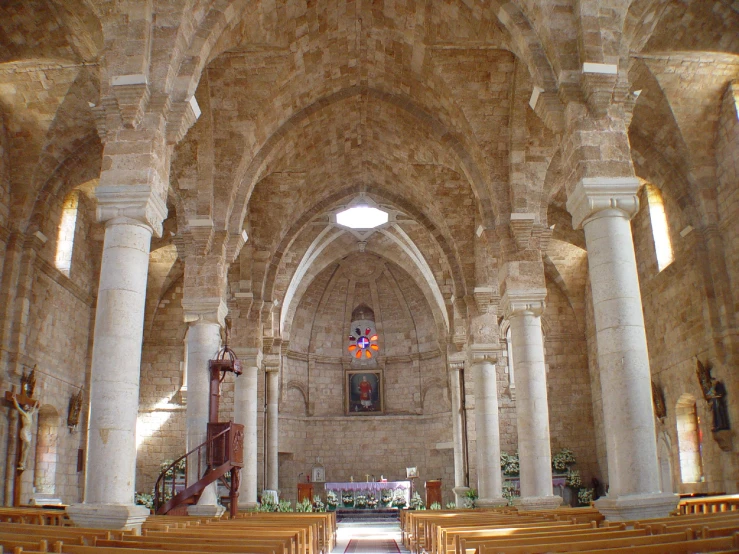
x: 372, y: 486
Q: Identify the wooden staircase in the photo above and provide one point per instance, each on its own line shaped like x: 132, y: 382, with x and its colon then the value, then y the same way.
x: 221, y: 453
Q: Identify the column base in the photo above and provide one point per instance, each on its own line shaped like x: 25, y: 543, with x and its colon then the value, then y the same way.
x: 108, y: 516
x: 637, y: 506
x: 248, y: 506
x: 460, y: 496
x: 537, y: 503
x: 205, y: 510
x: 493, y: 502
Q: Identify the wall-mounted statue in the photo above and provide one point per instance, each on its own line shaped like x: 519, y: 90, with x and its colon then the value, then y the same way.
x: 658, y: 397
x: 714, y: 392
x: 73, y: 411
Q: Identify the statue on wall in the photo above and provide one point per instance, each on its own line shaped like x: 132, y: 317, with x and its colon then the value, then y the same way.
x: 27, y: 412
x: 658, y: 397
x: 73, y: 411
x: 714, y: 393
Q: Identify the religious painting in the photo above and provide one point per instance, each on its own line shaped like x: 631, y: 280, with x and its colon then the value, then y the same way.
x: 363, y: 392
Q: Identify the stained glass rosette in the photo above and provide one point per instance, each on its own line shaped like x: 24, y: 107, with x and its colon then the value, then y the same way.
x: 363, y: 345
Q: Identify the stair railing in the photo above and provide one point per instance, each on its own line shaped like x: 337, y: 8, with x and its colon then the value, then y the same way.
x: 215, y: 444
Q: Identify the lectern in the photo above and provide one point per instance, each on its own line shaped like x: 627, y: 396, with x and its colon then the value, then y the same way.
x: 433, y: 492
x: 305, y: 490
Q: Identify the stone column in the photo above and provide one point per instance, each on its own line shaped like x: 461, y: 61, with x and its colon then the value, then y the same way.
x: 487, y: 430
x: 131, y: 214
x: 245, y: 413
x: 272, y: 368
x: 203, y: 340
x: 460, y: 486
x: 604, y: 207
x: 524, y: 309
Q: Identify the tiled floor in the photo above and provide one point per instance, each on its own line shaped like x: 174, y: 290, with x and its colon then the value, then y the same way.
x: 370, y: 538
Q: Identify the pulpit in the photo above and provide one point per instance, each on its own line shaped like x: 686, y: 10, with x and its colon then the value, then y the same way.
x: 305, y: 490
x: 433, y: 492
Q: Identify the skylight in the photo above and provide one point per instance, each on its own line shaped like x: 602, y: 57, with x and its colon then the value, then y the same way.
x: 361, y: 217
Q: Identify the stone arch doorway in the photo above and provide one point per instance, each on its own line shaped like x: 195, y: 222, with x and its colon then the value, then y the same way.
x: 688, y: 440
x: 47, y: 455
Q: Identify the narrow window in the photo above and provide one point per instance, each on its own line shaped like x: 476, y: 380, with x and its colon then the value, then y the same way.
x: 659, y: 227
x: 65, y: 241
x: 689, y: 440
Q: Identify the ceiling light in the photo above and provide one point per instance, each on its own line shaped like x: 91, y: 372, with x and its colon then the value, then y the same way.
x: 362, y: 217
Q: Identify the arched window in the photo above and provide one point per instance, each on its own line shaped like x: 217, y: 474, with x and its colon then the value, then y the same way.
x: 65, y: 240
x: 660, y: 231
x: 689, y: 440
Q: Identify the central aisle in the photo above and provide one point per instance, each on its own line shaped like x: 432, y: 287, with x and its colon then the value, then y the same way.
x: 368, y: 538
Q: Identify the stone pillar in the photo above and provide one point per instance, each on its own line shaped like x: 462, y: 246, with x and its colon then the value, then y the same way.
x: 245, y: 413
x: 131, y: 214
x: 524, y: 309
x: 604, y: 207
x: 203, y: 340
x: 460, y: 486
x: 487, y: 430
x: 273, y: 394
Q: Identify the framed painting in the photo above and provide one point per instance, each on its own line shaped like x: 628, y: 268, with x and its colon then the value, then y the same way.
x: 364, y: 392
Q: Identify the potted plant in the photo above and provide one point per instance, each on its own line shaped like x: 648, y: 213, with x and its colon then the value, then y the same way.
x: 399, y: 499
x: 347, y: 498
x: 417, y: 502
x: 386, y: 497
x: 332, y: 500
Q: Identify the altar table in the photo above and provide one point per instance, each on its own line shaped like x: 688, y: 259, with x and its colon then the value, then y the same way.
x: 371, y: 486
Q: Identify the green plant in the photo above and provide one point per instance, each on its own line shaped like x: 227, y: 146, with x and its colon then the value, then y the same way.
x: 585, y: 496
x: 179, y: 469
x: 417, y: 502
x: 285, y: 506
x: 399, y: 498
x: 360, y: 501
x: 347, y: 498
x: 509, y: 493
x: 451, y: 506
x: 332, y: 499
x: 562, y: 459
x: 318, y: 505
x: 386, y: 496
x: 267, y: 504
x: 304, y: 505
x: 470, y: 497
x: 143, y: 499
x: 372, y: 501
x: 435, y: 506
x: 573, y: 479
x: 509, y: 463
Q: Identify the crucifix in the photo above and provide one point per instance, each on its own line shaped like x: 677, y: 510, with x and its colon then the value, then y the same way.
x: 27, y: 408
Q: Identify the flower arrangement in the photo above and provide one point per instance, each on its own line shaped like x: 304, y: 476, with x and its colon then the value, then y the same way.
x: 435, y: 506
x: 450, y: 506
x: 399, y: 498
x: 573, y: 479
x: 509, y: 463
x: 304, y: 506
x: 372, y: 501
x: 386, y: 496
x: 417, y: 502
x: 563, y: 459
x: 347, y: 498
x: 318, y: 505
x: 332, y: 499
x: 509, y: 493
x: 143, y: 499
x: 470, y: 498
x: 285, y: 506
x: 179, y: 469
x: 585, y: 496
x: 360, y: 501
x: 267, y: 504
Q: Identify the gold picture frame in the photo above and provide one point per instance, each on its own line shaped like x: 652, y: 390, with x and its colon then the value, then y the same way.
x: 363, y: 392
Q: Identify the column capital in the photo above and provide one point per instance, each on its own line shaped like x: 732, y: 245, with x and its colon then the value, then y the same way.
x: 139, y: 203
x: 595, y: 194
x: 204, y: 310
x: 250, y: 357
x: 517, y: 302
x: 480, y: 353
x: 456, y: 362
x: 271, y: 363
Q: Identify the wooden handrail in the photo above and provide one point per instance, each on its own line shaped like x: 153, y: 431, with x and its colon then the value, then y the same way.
x: 161, y: 482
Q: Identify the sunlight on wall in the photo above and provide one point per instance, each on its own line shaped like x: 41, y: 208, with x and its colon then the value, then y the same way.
x: 149, y: 423
x: 65, y: 241
x: 660, y: 230
x: 688, y: 440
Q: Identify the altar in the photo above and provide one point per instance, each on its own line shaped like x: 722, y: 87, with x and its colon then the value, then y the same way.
x: 371, y: 488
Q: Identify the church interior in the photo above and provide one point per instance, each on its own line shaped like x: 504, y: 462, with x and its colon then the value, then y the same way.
x: 553, y: 263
